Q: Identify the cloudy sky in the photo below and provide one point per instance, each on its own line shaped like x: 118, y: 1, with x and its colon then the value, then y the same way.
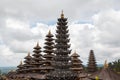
x: 93, y: 24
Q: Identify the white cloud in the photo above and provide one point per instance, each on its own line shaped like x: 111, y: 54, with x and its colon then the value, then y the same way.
x: 108, y: 24
x: 9, y: 58
x: 17, y: 41
x: 93, y: 24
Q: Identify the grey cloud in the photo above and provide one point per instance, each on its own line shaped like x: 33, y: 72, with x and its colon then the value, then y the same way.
x: 108, y: 25
x: 103, y: 37
x: 48, y: 10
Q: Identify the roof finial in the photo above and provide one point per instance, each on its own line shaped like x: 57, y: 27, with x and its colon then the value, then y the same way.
x: 21, y: 62
x: 62, y: 15
x: 75, y: 51
x: 28, y: 53
x: 105, y: 64
x: 37, y: 43
x: 49, y: 32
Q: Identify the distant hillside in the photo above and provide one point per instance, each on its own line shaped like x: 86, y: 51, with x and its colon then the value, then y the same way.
x: 98, y: 65
x: 6, y: 69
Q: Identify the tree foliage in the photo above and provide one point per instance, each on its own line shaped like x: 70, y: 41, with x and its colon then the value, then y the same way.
x: 115, y: 65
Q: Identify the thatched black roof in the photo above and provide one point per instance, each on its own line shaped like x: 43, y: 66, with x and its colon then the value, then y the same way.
x: 105, y: 74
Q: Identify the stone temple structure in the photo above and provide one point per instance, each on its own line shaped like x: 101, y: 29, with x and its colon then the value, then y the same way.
x: 61, y: 59
x: 92, y: 66
x: 56, y: 62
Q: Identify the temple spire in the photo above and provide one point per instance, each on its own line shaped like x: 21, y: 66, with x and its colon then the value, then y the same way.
x: 105, y: 64
x: 37, y: 58
x: 20, y: 67
x: 37, y: 44
x: 28, y: 63
x: 92, y: 66
x: 48, y: 50
x: 62, y: 14
x: 61, y: 60
x: 28, y: 53
x: 76, y: 63
x: 21, y: 62
x: 49, y: 32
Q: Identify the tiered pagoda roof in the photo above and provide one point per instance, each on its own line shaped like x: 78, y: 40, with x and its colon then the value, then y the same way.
x: 32, y: 67
x: 20, y: 67
x: 92, y: 66
x: 61, y: 59
x: 77, y: 66
x: 56, y: 64
x: 28, y: 63
x: 38, y: 59
x: 49, y: 45
x: 76, y: 63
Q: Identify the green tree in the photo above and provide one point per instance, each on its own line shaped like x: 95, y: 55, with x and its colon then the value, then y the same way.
x: 115, y: 65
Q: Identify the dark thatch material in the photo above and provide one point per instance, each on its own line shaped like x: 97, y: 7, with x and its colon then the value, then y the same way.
x: 105, y: 74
